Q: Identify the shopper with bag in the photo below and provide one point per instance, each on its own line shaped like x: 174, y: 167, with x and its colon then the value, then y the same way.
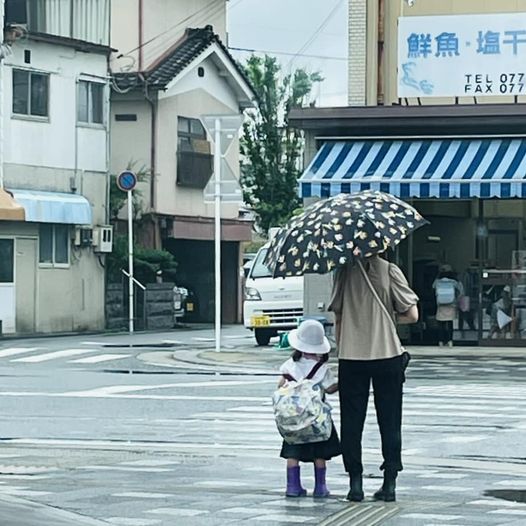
x: 448, y: 292
x: 302, y: 415
x: 368, y: 299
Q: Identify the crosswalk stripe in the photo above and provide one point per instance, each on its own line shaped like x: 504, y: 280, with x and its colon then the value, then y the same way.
x: 53, y: 355
x: 13, y: 351
x: 101, y: 358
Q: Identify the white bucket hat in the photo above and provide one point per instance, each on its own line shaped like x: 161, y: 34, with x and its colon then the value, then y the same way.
x: 310, y: 338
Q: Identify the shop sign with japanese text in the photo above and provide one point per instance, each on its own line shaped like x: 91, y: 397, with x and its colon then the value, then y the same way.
x: 464, y: 55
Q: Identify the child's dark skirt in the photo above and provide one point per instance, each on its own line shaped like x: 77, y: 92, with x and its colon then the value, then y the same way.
x: 318, y: 450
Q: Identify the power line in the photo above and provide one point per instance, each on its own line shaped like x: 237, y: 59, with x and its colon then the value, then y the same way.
x: 285, y: 53
x: 202, y: 19
x: 316, y: 33
x: 205, y: 8
x: 235, y: 4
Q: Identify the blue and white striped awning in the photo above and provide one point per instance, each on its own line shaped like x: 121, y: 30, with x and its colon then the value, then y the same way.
x: 448, y: 168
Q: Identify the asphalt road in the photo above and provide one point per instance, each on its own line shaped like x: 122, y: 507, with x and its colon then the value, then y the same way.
x: 158, y: 430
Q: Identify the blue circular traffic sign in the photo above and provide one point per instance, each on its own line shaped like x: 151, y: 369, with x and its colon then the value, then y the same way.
x: 126, y: 181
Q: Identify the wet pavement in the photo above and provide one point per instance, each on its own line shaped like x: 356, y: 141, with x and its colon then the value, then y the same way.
x: 159, y: 429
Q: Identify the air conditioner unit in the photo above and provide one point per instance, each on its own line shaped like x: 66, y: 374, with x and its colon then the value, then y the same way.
x: 83, y: 236
x: 103, y: 239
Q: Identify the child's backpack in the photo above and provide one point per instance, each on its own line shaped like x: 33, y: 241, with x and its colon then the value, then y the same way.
x: 445, y: 292
x: 302, y: 416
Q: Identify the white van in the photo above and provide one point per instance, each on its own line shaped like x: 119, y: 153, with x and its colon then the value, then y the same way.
x: 271, y: 305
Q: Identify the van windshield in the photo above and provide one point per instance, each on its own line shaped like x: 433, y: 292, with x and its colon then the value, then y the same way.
x: 259, y: 270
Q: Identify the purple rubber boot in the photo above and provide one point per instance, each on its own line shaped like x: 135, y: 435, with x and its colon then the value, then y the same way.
x: 294, y: 488
x: 320, y: 487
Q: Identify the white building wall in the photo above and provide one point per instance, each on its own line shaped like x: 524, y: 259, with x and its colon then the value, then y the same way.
x: 58, y: 155
x: 54, y: 143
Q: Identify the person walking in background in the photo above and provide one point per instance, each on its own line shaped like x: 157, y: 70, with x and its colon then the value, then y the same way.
x: 309, y: 360
x: 447, y: 292
x: 367, y: 299
x: 466, y: 314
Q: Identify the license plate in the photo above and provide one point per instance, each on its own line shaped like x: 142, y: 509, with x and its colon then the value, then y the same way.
x: 260, y: 321
x: 190, y: 307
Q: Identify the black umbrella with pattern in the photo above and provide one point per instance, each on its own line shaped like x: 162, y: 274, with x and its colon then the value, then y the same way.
x: 336, y: 231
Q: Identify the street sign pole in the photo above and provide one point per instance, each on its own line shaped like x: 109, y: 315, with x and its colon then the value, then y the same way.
x: 126, y: 181
x: 223, y: 187
x: 217, y: 212
x: 130, y: 262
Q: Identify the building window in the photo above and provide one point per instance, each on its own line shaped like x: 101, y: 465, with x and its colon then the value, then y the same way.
x: 90, y: 105
x: 30, y: 93
x: 7, y: 267
x: 80, y: 19
x: 194, y: 161
x: 191, y: 132
x: 54, y: 244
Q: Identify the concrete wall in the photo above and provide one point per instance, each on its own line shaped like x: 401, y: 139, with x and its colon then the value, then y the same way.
x: 57, y: 155
x: 363, y: 37
x: 58, y: 142
x: 193, y: 99
x: 164, y: 21
x: 65, y: 299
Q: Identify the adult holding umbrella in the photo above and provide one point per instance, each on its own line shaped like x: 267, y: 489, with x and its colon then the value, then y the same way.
x: 347, y: 233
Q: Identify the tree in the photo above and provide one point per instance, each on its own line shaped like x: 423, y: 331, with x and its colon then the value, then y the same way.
x: 147, y: 262
x: 271, y: 150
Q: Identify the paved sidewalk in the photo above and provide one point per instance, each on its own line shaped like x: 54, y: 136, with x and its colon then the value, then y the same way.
x: 20, y: 512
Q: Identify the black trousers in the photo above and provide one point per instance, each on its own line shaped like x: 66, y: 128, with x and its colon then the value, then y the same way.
x: 466, y: 317
x: 446, y: 331
x: 354, y: 381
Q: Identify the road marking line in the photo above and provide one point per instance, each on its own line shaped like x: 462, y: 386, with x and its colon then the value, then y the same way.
x: 54, y: 355
x: 431, y: 516
x: 124, y: 521
x: 125, y: 468
x: 13, y: 351
x: 119, y: 389
x: 139, y: 495
x: 279, y: 519
x: 101, y: 358
x: 177, y: 512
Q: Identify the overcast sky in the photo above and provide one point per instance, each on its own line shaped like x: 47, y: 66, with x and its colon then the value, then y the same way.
x: 312, y: 27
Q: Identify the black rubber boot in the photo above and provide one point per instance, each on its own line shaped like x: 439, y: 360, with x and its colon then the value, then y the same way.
x: 387, y: 492
x: 356, y: 492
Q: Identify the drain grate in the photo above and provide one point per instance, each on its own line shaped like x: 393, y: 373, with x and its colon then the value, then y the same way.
x: 362, y: 515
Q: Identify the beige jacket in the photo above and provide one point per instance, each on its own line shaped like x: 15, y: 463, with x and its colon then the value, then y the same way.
x: 363, y: 331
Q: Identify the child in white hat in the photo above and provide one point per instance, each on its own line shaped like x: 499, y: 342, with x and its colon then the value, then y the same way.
x: 311, y: 348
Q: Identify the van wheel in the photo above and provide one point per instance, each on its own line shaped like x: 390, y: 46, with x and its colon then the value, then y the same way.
x: 262, y: 336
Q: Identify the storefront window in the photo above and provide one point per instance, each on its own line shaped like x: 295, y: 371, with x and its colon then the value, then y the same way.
x: 503, y: 312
